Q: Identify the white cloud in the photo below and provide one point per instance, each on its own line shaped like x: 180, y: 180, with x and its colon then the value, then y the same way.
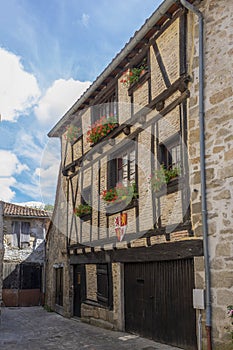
x: 28, y: 146
x: 19, y: 90
x: 10, y: 164
x: 85, y: 19
x: 58, y: 99
x: 32, y: 204
x: 7, y: 194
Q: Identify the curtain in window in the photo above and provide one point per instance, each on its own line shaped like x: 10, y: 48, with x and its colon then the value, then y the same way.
x: 15, y: 233
x: 25, y: 232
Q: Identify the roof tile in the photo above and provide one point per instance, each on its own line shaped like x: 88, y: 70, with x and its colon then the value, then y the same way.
x: 18, y: 210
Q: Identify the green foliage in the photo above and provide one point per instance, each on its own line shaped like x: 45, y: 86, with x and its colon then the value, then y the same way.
x: 49, y: 207
x: 133, y: 75
x: 101, y: 128
x: 82, y: 209
x: 120, y: 193
x: 48, y: 308
x: 162, y: 176
x: 73, y: 132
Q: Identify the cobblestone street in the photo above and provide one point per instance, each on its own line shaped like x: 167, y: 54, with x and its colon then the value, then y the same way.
x: 33, y: 328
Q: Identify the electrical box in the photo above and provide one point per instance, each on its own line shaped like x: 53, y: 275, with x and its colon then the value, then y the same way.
x: 199, y: 299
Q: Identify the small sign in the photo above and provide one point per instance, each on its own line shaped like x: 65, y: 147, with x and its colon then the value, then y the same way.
x: 199, y: 299
x: 121, y: 226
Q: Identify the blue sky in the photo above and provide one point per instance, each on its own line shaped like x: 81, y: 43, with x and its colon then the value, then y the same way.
x: 50, y: 52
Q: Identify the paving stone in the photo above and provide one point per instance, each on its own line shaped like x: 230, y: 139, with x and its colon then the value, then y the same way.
x: 33, y: 328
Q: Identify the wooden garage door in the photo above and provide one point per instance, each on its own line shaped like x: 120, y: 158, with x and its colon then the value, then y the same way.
x: 158, y: 301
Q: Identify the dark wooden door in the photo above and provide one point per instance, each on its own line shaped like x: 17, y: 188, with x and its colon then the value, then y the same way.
x: 158, y: 302
x: 79, y: 285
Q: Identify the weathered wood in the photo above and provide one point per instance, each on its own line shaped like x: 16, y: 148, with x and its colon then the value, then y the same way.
x: 158, y: 252
x: 161, y: 65
x: 132, y: 120
x: 183, y: 43
x: 170, y: 91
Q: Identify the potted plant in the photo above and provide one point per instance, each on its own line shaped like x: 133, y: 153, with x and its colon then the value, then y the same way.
x: 72, y: 133
x: 133, y: 75
x: 120, y: 194
x: 82, y: 210
x: 163, y: 176
x: 119, y: 197
x: 101, y: 128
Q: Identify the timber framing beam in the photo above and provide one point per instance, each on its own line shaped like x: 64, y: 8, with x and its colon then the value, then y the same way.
x: 157, y: 252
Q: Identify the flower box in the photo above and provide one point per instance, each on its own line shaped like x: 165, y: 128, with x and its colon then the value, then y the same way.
x: 83, y: 211
x: 119, y: 198
x: 73, y: 133
x: 101, y: 128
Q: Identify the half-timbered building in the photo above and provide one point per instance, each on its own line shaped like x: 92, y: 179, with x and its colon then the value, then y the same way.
x: 142, y: 216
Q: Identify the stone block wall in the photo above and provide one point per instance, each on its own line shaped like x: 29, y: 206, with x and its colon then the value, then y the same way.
x: 218, y: 48
x: 56, y: 256
x: 102, y: 316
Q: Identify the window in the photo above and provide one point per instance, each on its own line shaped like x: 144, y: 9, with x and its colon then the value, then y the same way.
x: 104, y: 285
x: 20, y: 234
x: 59, y: 286
x: 86, y: 196
x: 106, y: 108
x: 122, y: 168
x: 171, y: 153
x: 99, y: 284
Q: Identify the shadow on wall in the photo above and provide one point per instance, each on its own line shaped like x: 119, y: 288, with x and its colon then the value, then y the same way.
x: 23, y: 282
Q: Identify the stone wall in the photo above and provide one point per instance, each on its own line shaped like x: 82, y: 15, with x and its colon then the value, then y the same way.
x: 35, y: 251
x: 218, y: 48
x: 56, y: 256
x: 99, y: 315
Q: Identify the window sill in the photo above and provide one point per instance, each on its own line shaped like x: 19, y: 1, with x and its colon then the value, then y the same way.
x: 96, y: 304
x: 173, y: 185
x: 103, y: 137
x: 113, y: 208
x: 85, y: 217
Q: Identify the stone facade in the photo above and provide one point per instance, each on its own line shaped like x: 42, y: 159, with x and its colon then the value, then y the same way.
x: 23, y: 232
x: 57, y: 257
x: 218, y: 46
x: 152, y: 115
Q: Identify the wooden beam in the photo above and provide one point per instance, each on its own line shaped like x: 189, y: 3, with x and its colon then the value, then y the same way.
x: 161, y: 65
x: 157, y: 252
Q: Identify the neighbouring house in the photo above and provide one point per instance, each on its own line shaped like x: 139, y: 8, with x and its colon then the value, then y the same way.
x: 22, y: 231
x: 141, y: 238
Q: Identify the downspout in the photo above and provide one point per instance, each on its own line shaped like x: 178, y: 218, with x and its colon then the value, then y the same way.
x: 193, y: 9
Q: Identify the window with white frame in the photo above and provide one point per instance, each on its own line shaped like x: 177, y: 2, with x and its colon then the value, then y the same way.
x: 122, y: 168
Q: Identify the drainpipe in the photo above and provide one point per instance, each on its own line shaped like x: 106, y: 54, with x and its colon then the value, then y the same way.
x: 193, y: 9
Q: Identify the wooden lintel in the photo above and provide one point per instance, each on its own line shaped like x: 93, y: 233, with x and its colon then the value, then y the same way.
x: 170, y: 90
x: 157, y: 252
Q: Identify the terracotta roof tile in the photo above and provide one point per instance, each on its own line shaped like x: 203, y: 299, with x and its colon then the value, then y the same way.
x: 18, y: 210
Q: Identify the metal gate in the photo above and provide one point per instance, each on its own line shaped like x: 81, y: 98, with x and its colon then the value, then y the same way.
x: 158, y: 301
x: 22, y: 284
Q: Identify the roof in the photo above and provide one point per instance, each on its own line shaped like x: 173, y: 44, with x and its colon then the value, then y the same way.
x: 119, y: 63
x: 10, y: 209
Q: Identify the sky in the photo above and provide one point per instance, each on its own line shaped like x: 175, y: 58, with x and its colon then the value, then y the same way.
x: 50, y: 52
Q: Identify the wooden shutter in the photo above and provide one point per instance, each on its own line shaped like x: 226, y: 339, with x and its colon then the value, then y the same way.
x: 112, y: 173
x: 102, y: 284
